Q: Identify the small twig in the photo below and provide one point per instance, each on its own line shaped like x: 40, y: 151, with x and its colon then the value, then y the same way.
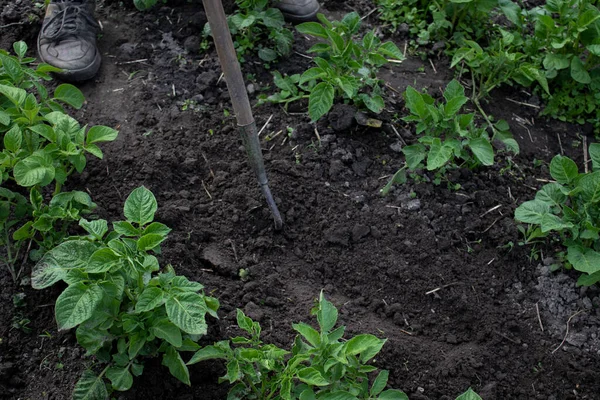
x: 398, y: 134
x: 537, y: 309
x: 562, y: 151
x: 567, y: 332
x: 433, y: 66
x: 490, y: 210
x: 405, y: 47
x: 490, y: 227
x: 510, y: 196
x: 220, y: 78
x: 206, y: 190
x: 368, y: 14
x: 585, y: 155
x: 317, y: 134
x: 506, y: 337
x: 265, y: 125
x: 523, y: 104
x: 442, y: 287
x: 544, y: 180
x: 234, y: 252
x: 132, y: 62
x: 303, y: 55
x: 173, y: 87
x: 406, y: 332
x: 387, y: 85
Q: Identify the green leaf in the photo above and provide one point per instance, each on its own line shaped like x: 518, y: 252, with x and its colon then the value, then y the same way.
x: 69, y: 94
x: 415, y: 102
x: 187, y: 310
x: 563, y: 169
x: 92, y: 339
x: 140, y: 206
x: 172, y: 359
x: 392, y: 394
x: 76, y: 304
x: 101, y: 133
x: 454, y: 105
x: 312, y: 376
x: 273, y: 18
x: 594, y: 49
x: 379, y: 383
x: 157, y: 228
x: 374, y: 103
x: 20, y: 48
x: 313, y: 29
x: 150, y: 241
x: 398, y: 178
x: 578, y: 71
x: 309, y: 333
x: 56, y: 263
x: 584, y: 259
x: 469, y: 395
x: 120, y: 378
x: 15, y: 95
x: 327, y: 314
x: 438, y: 155
x: 511, y: 10
x: 454, y: 90
x: 390, y: 50
x: 588, y: 280
x: 414, y: 154
x: 594, y: 152
x: 233, y: 371
x: 90, y: 387
x: 34, y: 170
x: 551, y: 222
x: 166, y: 330
x: 12, y: 68
x: 366, y: 345
x: 13, y: 139
x: 97, y: 228
x: 483, y: 150
x: 320, y: 100
x: 125, y: 228
x: 532, y: 212
x: 102, y: 260
x: 245, y: 323
x: 267, y: 54
x: 552, y: 194
x: 590, y: 187
x: 207, y: 353
x: 150, y: 298
x: 556, y: 61
x: 4, y: 118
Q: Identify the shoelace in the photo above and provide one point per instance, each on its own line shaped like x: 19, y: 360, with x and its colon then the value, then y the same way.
x: 69, y: 22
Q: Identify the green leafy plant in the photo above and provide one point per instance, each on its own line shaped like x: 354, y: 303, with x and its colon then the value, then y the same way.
x: 320, y: 365
x: 257, y: 29
x: 345, y: 68
x: 40, y: 145
x: 448, y: 136
x: 469, y: 395
x: 569, y: 208
x: 124, y: 307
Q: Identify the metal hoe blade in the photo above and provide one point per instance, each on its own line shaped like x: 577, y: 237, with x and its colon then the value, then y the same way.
x: 239, y: 99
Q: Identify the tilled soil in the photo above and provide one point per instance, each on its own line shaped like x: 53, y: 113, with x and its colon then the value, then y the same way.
x: 438, y: 272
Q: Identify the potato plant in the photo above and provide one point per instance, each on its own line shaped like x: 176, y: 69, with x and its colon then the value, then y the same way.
x: 345, y: 68
x: 321, y: 365
x: 569, y: 208
x: 125, y: 308
x: 40, y: 146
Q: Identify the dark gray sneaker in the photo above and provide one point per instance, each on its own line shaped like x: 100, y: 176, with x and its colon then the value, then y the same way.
x: 298, y: 10
x: 68, y: 39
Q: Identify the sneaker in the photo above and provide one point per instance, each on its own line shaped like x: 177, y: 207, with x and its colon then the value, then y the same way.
x: 68, y: 39
x: 298, y: 10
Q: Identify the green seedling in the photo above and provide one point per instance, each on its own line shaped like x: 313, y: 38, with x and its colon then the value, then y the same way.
x: 320, y: 365
x: 345, y: 68
x: 568, y: 208
x: 125, y: 308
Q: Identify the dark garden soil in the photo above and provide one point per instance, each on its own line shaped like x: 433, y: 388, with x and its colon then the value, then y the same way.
x: 433, y: 270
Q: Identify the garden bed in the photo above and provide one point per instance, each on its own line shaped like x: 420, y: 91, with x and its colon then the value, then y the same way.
x: 438, y: 272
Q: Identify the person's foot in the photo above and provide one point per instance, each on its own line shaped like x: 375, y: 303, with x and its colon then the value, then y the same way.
x: 298, y: 10
x: 68, y: 39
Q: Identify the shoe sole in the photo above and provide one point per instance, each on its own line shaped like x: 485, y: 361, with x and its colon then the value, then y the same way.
x: 312, y: 16
x: 78, y: 75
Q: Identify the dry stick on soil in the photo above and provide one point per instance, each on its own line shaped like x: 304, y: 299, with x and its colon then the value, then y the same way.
x: 562, y: 151
x: 585, y: 155
x: 490, y: 210
x: 493, y: 223
x: 131, y: 62
x: 398, y: 134
x: 442, y: 287
x: 317, y: 134
x: 537, y: 309
x: 567, y: 332
x: 206, y: 190
x: 303, y: 55
x: 523, y: 104
x: 368, y: 14
x: 387, y: 85
x: 433, y: 66
x: 265, y: 125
